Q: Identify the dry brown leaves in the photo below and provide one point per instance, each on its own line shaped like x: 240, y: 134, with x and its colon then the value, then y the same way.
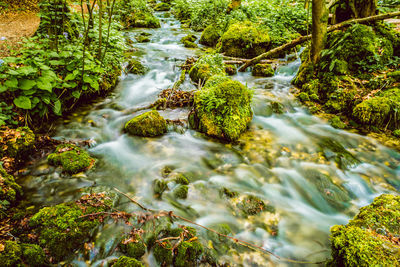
x: 177, y: 98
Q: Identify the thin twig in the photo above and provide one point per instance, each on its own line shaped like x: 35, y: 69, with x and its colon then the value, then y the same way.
x: 134, y: 201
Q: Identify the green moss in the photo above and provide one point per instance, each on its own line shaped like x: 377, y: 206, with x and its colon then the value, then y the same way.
x: 11, y: 255
x: 136, y: 67
x: 189, y: 37
x: 33, y: 255
x: 230, y: 69
x: 396, y: 133
x: 244, y: 40
x: 210, y: 35
x: 373, y: 111
x: 142, y: 39
x: 141, y: 19
x: 304, y: 97
x: 263, y: 70
x: 395, y: 75
x: 135, y: 247
x: 367, y: 239
x: 72, y: 158
x: 222, y: 109
x: 62, y: 229
x: 181, y: 191
x: 181, y: 179
x: 162, y: 7
x: 124, y: 261
x: 206, y: 67
x: 9, y: 189
x: 23, y: 142
x: 149, y: 124
x: 189, y: 44
x: 337, y: 123
x: 188, y: 254
x: 159, y: 186
x: 251, y: 205
x: 228, y: 193
x: 163, y: 253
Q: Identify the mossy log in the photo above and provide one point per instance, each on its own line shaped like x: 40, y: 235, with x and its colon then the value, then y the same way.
x: 302, y: 39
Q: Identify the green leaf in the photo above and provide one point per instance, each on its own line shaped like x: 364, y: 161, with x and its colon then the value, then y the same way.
x: 45, y: 83
x: 87, y: 79
x: 57, y: 107
x: 3, y: 88
x: 26, y: 84
x: 70, y: 77
x: 95, y: 85
x: 23, y: 102
x: 26, y: 70
x: 46, y: 99
x: 13, y: 83
x: 13, y: 72
x: 76, y: 94
x: 56, y: 62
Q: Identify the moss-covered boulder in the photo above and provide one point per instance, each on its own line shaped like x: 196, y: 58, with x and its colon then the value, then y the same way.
x: 162, y: 7
x: 9, y: 190
x: 149, y: 124
x: 181, y: 191
x: 230, y: 69
x: 124, y: 261
x: 136, y: 67
x: 244, y: 40
x: 15, y: 254
x: 189, y: 41
x: 11, y: 255
x: 371, y: 238
x: 263, y: 70
x: 33, y: 255
x: 210, y: 35
x: 63, y: 228
x: 142, y: 38
x: 141, y: 19
x: 222, y: 109
x: 133, y: 246
x: 17, y: 142
x: 207, y: 66
x: 71, y: 158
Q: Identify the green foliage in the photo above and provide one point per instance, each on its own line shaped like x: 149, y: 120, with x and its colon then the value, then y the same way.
x: 136, y: 13
x: 207, y: 66
x: 244, y: 40
x: 127, y: 262
x: 23, y: 141
x: 72, y: 158
x: 149, y: 124
x: 7, y: 115
x: 367, y: 239
x: 222, y: 108
x: 162, y: 7
x: 33, y: 255
x: 62, y: 229
x: 11, y: 255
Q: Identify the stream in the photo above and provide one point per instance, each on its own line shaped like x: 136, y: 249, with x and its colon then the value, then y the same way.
x: 314, y: 176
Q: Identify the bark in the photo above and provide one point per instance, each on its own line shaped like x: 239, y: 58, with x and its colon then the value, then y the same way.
x: 319, y: 28
x: 302, y: 39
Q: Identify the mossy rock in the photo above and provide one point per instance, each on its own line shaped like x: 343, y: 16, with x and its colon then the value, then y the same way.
x: 181, y: 191
x: 162, y: 7
x: 373, y: 111
x: 149, y: 124
x: 33, y: 255
x: 11, y: 255
x: 124, y: 261
x: 230, y: 69
x: 222, y: 109
x: 23, y: 142
x: 189, y: 44
x: 142, y: 38
x: 133, y: 246
x: 62, y: 229
x: 367, y: 240
x: 142, y: 19
x: 10, y: 191
x: 188, y: 254
x: 251, y: 205
x: 159, y: 187
x: 136, y: 67
x: 210, y: 35
x: 189, y: 37
x: 337, y: 123
x: 244, y: 40
x: 207, y: 66
x: 263, y: 70
x: 163, y: 253
x: 71, y: 158
x: 395, y: 75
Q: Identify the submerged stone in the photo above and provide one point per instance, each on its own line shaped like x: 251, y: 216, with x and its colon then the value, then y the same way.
x: 71, y: 158
x: 370, y: 238
x: 222, y: 109
x: 206, y: 67
x: 149, y: 124
x: 61, y: 229
x: 263, y: 70
x: 244, y: 40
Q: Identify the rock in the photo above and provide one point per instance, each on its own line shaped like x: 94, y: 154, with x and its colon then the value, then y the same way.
x: 370, y: 238
x: 124, y: 261
x: 149, y: 124
x: 15, y: 254
x: 244, y: 40
x: 23, y: 140
x: 206, y: 67
x: 61, y: 229
x: 230, y: 69
x: 222, y: 109
x: 11, y: 255
x: 142, y: 19
x: 210, y: 35
x: 181, y: 191
x: 142, y: 38
x: 136, y: 67
x: 71, y: 158
x: 133, y: 246
x: 188, y: 41
x: 263, y: 70
x: 337, y: 123
x: 10, y: 191
x: 33, y: 255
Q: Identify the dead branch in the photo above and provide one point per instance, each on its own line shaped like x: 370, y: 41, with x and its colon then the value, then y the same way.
x: 303, y: 39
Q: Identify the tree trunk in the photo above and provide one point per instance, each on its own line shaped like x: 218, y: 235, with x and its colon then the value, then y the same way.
x: 319, y: 29
x: 354, y: 9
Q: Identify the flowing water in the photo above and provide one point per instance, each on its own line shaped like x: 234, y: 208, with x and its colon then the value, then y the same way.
x: 314, y: 176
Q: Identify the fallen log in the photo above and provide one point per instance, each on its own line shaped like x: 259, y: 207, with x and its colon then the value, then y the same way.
x: 303, y: 39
